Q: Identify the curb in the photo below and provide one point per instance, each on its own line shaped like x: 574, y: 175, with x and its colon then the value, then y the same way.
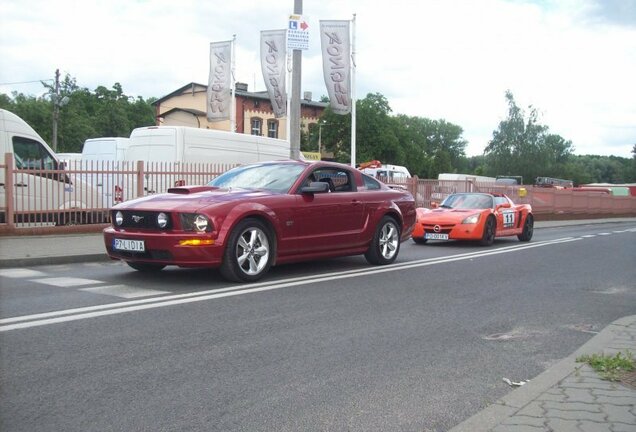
x: 52, y: 260
x: 508, y: 405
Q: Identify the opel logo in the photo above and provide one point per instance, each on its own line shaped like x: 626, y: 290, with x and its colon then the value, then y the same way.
x: 137, y: 218
x: 437, y: 228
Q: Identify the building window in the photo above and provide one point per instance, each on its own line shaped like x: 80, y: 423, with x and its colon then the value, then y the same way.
x: 257, y: 126
x: 272, y: 128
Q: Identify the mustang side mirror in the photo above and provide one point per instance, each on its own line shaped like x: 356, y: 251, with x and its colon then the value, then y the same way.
x: 315, y: 187
x: 434, y: 205
x: 504, y: 205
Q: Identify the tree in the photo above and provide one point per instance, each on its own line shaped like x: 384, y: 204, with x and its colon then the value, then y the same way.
x: 522, y: 146
x: 424, y: 146
x: 102, y: 113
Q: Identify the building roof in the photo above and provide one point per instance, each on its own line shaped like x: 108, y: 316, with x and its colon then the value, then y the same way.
x: 263, y: 95
x: 195, y: 112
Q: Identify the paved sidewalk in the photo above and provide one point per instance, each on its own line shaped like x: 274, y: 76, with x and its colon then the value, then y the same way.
x: 569, y: 396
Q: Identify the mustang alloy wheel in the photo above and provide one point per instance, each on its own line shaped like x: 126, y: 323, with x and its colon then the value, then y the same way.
x: 248, y: 254
x: 385, y: 245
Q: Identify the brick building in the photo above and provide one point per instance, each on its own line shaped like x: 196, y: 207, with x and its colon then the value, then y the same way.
x: 186, y: 106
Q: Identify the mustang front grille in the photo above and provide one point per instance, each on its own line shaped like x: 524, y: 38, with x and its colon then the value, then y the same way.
x: 140, y: 219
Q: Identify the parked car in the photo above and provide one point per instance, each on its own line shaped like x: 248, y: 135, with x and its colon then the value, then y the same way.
x: 259, y: 215
x: 474, y: 216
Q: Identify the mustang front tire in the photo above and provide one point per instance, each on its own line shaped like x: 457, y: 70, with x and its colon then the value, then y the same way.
x: 249, y: 252
x: 385, y: 245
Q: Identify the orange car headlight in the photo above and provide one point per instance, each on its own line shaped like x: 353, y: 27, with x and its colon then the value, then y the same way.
x: 472, y: 219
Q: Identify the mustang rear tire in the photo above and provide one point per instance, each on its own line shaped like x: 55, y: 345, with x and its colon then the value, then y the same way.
x: 490, y: 229
x: 249, y: 252
x: 385, y: 244
x: 528, y: 229
x: 145, y: 267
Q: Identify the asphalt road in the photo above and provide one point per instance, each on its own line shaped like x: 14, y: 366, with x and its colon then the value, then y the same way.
x: 333, y: 345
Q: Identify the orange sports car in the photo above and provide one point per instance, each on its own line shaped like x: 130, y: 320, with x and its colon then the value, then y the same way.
x: 474, y: 216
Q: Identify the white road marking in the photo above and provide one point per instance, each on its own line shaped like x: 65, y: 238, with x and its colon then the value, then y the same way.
x: 589, y: 236
x: 68, y: 315
x: 604, y: 234
x: 66, y: 281
x: 20, y: 273
x: 123, y: 291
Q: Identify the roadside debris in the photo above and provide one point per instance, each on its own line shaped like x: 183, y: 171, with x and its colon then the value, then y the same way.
x: 515, y: 384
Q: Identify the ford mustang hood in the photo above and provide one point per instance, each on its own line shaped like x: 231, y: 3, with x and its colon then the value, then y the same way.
x: 187, y: 199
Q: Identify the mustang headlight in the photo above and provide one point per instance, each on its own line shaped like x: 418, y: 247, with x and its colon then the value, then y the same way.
x: 162, y: 220
x: 201, y: 223
x: 472, y: 219
x: 119, y: 218
x: 195, y: 222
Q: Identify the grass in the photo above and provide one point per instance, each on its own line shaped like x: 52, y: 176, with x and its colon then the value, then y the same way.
x: 609, y: 367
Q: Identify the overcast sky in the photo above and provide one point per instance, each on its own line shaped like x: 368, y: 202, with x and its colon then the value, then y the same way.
x: 574, y: 60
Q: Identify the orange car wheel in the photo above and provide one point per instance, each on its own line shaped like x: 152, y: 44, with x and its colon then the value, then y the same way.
x: 490, y: 229
x: 528, y: 229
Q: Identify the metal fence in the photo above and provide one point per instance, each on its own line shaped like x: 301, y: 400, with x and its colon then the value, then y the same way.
x: 77, y: 197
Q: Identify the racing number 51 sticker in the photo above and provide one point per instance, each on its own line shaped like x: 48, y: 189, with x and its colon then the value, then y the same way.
x: 508, y: 219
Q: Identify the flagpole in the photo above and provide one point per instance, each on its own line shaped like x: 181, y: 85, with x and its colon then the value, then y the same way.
x: 353, y: 91
x: 288, y: 80
x: 233, y: 108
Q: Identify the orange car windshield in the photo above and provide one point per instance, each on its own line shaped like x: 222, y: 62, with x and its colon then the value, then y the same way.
x: 468, y: 201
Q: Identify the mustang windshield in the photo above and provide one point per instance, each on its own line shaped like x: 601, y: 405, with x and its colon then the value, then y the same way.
x: 468, y: 201
x: 271, y: 177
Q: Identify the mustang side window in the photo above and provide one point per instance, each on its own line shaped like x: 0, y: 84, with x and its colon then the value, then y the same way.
x: 370, y: 183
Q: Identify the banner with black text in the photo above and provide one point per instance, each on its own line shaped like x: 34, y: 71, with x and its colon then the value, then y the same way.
x: 336, y: 63
x: 220, y: 81
x: 273, y: 60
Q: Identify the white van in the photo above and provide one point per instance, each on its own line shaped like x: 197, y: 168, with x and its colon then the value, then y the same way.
x: 101, y: 159
x: 389, y: 173
x: 111, y: 149
x: 42, y: 192
x: 186, y: 144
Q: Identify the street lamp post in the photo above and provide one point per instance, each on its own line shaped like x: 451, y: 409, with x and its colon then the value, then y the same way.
x: 320, y: 125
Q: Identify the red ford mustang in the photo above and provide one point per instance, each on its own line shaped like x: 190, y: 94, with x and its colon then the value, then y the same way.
x: 474, y: 216
x: 256, y: 216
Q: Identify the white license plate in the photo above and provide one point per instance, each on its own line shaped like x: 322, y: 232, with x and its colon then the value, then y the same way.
x: 129, y: 245
x: 435, y: 236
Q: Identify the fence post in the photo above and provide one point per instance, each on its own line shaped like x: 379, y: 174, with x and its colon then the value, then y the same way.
x: 412, y: 187
x: 9, y: 190
x: 140, y: 179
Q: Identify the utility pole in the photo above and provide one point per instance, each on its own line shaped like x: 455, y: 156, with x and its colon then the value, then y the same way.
x: 56, y: 109
x: 294, y: 115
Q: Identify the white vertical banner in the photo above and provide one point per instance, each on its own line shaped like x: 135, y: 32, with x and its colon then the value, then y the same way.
x: 336, y: 63
x: 220, y: 81
x: 353, y: 91
x: 273, y: 65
